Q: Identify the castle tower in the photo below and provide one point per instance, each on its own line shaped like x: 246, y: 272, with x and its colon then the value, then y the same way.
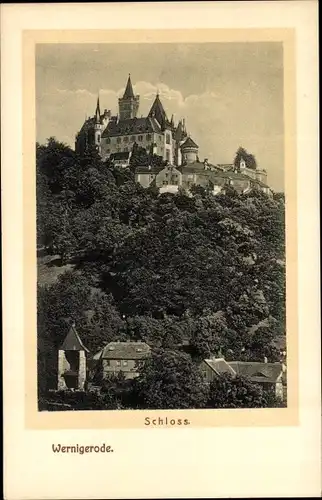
x: 129, y: 103
x: 72, y: 362
x: 189, y: 151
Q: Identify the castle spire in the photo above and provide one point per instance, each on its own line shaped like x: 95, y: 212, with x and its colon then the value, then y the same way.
x: 98, y: 111
x: 128, y: 94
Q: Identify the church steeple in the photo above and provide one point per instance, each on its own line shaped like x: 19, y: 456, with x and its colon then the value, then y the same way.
x: 129, y: 103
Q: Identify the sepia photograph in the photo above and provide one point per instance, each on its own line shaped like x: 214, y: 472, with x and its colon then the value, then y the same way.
x: 161, y: 262
x: 160, y: 218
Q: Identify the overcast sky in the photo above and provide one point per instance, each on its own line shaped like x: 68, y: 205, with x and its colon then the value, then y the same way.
x: 231, y: 94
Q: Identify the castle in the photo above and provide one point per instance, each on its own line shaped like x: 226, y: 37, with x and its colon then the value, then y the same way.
x: 115, y: 136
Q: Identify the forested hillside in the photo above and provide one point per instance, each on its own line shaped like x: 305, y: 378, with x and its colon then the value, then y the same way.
x: 204, y: 271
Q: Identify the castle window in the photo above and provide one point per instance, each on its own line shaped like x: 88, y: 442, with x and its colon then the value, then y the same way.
x: 140, y: 138
x: 148, y: 137
x: 167, y: 139
x: 118, y: 363
x: 108, y: 140
x: 132, y: 138
x: 118, y: 140
x: 168, y: 155
x: 160, y: 138
x: 124, y: 362
x: 165, y: 183
x: 125, y: 139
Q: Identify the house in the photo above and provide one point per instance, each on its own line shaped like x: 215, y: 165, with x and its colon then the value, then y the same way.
x: 126, y: 357
x: 72, y: 362
x: 270, y: 376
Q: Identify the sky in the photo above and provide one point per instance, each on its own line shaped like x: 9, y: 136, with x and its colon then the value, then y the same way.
x: 230, y: 94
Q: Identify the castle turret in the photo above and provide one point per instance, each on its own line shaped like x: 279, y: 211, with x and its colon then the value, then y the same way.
x: 72, y: 362
x: 129, y: 103
x: 189, y: 150
x: 97, y: 125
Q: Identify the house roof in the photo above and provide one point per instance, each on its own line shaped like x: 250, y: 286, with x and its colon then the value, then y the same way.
x: 131, y: 126
x: 157, y: 111
x: 73, y: 342
x: 126, y: 350
x: 146, y: 169
x: 257, y: 371
x: 197, y: 167
x: 189, y: 143
x: 220, y: 366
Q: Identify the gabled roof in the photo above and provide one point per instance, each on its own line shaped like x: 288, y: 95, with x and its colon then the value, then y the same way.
x: 73, y: 342
x: 258, y: 372
x: 145, y: 169
x: 189, y: 143
x: 157, y: 111
x: 220, y: 366
x: 131, y: 126
x: 128, y: 94
x: 126, y: 350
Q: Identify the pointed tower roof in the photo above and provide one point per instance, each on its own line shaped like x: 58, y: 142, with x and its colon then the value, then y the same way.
x: 189, y: 143
x: 157, y: 110
x: 128, y: 94
x: 98, y: 111
x: 73, y: 342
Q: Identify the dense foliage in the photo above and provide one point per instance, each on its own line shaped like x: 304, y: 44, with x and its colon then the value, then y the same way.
x: 199, y: 270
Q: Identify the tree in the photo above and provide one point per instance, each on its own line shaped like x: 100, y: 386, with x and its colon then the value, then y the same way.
x: 229, y: 392
x: 247, y: 157
x: 170, y: 380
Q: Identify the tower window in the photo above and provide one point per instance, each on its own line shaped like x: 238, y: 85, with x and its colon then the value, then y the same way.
x: 168, y: 155
x: 148, y: 137
x: 98, y: 138
x: 140, y: 138
x: 167, y: 138
x: 125, y: 139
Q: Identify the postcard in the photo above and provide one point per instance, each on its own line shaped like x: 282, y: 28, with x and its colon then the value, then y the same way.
x: 163, y: 177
